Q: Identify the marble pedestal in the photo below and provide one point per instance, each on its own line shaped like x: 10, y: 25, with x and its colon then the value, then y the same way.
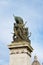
x: 20, y: 53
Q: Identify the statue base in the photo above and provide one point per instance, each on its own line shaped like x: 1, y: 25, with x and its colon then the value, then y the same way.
x: 20, y: 53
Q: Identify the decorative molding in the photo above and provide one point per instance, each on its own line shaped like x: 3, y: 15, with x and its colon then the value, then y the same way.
x: 20, y: 51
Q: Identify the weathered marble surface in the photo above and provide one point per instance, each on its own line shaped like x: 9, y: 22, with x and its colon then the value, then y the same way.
x: 20, y: 53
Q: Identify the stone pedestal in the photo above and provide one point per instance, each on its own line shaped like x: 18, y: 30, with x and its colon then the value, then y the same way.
x: 20, y: 53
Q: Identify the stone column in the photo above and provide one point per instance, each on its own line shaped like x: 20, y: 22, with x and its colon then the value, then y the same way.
x: 20, y: 53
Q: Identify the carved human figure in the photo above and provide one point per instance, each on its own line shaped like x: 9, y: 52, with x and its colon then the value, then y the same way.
x: 20, y: 32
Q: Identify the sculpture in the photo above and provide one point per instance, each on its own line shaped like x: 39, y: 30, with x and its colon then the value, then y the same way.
x: 20, y: 32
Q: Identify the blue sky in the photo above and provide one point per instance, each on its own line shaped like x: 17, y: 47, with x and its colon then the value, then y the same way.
x: 32, y: 12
